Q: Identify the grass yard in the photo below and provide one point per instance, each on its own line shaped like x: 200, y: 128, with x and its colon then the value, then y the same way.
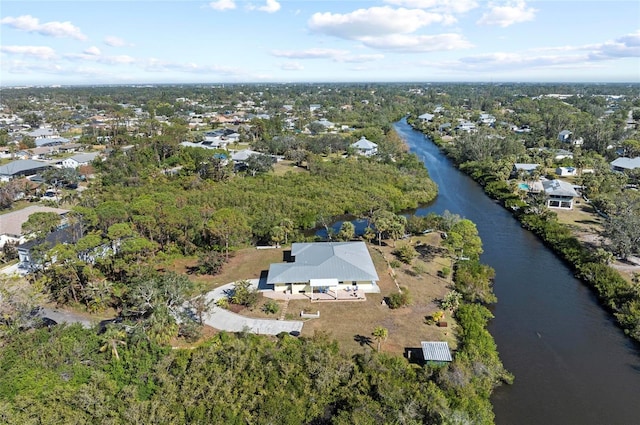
x: 351, y: 323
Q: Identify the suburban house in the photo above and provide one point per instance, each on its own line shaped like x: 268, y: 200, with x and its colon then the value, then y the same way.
x: 487, y: 119
x: 560, y: 194
x: 11, y: 223
x: 565, y: 136
x: 523, y: 168
x: 21, y: 168
x: 325, y: 267
x: 79, y: 160
x: 426, y: 117
x: 64, y: 235
x: 467, y: 126
x: 365, y: 147
x: 566, y: 171
x: 625, y: 164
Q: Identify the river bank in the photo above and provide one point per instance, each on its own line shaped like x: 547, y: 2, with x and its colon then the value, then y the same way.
x: 577, y: 249
x: 571, y: 362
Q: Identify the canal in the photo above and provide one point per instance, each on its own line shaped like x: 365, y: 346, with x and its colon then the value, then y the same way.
x: 572, y: 364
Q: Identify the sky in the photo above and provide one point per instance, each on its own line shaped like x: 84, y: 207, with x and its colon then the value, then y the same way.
x: 86, y: 42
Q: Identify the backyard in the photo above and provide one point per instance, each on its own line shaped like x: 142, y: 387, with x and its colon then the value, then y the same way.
x: 351, y: 323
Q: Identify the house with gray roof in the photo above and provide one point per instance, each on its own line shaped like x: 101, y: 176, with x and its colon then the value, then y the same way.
x: 325, y: 267
x: 11, y: 222
x: 427, y: 117
x: 365, y: 147
x: 79, y: 160
x: 21, y: 168
x: 560, y: 194
x: 625, y: 164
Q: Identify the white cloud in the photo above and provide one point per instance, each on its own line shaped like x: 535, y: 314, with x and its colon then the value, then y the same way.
x: 93, y: 50
x: 114, y: 41
x: 374, y: 22
x: 291, y: 66
x: 55, y: 29
x: 332, y: 54
x: 39, y: 52
x: 309, y: 53
x: 271, y: 6
x: 627, y: 46
x: 446, y: 6
x: 223, y: 5
x: 575, y: 57
x: 508, y: 14
x: 418, y: 43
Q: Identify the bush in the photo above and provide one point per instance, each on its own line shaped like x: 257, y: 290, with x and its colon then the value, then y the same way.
x: 271, y: 307
x: 244, y: 294
x: 406, y: 253
x: 399, y: 299
x: 209, y: 263
x: 445, y: 272
x: 395, y: 264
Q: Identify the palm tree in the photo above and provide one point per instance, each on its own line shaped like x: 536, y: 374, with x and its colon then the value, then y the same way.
x: 112, y: 338
x: 380, y: 334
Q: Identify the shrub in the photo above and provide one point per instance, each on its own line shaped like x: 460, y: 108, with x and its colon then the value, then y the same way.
x: 271, y: 307
x: 399, y: 299
x: 406, y: 253
x: 395, y: 264
x: 244, y: 294
x: 209, y: 263
x: 445, y: 272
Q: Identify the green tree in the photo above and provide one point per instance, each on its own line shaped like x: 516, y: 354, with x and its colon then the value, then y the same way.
x: 41, y: 224
x: 380, y: 334
x: 113, y: 337
x: 228, y: 226
x: 347, y: 231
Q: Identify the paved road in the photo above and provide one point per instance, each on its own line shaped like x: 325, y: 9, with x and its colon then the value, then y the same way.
x: 63, y: 316
x: 226, y: 320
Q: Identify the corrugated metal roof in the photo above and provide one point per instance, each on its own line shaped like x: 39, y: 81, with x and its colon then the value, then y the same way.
x: 436, y: 351
x: 343, y: 261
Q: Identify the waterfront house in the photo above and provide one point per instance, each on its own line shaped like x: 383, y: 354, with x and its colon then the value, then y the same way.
x: 560, y: 194
x: 325, y: 267
x: 365, y: 147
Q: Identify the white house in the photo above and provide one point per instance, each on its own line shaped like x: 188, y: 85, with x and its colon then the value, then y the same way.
x: 560, y: 194
x: 325, y: 267
x: 566, y: 171
x: 487, y: 119
x: 365, y: 147
x: 426, y: 117
x: 79, y: 160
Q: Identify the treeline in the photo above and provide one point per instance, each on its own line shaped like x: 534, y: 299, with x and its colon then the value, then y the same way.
x: 68, y: 374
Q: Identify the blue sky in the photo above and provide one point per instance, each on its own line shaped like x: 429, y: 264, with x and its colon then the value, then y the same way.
x: 226, y: 41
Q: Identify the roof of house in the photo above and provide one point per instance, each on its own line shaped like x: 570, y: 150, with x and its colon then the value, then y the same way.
x: 559, y: 188
x: 564, y: 133
x: 11, y: 223
x: 51, y: 141
x: 426, y: 116
x: 21, y: 165
x: 525, y: 167
x: 85, y: 157
x: 626, y: 163
x: 364, y: 144
x: 344, y: 261
x: 436, y: 351
x: 243, y: 155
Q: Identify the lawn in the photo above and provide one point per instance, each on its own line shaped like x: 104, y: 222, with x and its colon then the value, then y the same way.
x: 351, y: 323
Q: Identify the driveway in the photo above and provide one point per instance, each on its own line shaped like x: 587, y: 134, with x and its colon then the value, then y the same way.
x: 226, y: 320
